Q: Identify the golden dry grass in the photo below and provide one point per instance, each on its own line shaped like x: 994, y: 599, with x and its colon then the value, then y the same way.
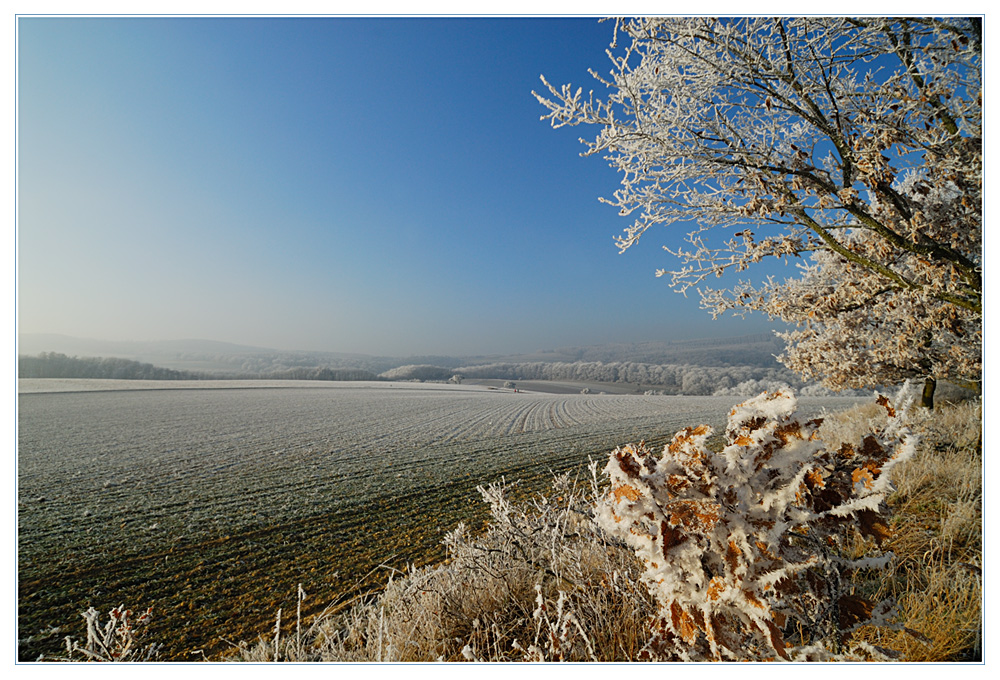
x: 936, y: 578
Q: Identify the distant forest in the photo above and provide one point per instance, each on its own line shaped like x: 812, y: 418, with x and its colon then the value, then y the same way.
x: 656, y: 378
x: 54, y: 365
x: 723, y: 366
x: 661, y: 378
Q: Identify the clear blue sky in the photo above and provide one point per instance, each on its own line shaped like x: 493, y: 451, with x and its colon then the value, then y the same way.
x: 366, y: 185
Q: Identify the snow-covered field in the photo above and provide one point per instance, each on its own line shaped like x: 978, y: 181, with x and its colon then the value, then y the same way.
x: 212, y: 500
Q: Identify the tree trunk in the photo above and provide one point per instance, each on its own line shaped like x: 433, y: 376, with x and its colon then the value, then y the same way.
x: 927, y: 398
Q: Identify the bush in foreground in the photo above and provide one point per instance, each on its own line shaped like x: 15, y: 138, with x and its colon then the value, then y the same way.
x: 749, y: 549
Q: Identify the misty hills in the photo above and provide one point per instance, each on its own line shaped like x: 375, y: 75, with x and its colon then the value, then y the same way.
x: 199, y: 356
x: 221, y: 357
x: 688, y: 367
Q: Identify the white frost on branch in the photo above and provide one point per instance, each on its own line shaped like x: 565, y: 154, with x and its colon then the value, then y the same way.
x: 857, y: 140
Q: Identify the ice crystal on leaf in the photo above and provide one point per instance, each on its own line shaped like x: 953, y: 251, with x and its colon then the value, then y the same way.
x: 744, y: 550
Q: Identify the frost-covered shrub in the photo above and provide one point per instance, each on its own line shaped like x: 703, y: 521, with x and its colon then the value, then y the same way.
x: 747, y: 552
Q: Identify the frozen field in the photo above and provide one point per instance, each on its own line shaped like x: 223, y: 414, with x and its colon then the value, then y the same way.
x: 211, y: 501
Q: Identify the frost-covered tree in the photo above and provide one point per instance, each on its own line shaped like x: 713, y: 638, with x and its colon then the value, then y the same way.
x: 858, y: 141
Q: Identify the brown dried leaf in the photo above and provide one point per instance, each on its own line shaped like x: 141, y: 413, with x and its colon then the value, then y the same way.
x: 734, y: 557
x: 627, y: 462
x: 777, y: 640
x: 846, y: 451
x: 870, y: 448
x: 721, y: 631
x: 695, y: 516
x: 787, y: 587
x: 853, y: 610
x: 686, y: 437
x: 716, y: 587
x: 788, y: 432
x: 671, y: 537
x: 873, y: 525
x: 683, y: 622
x: 754, y: 600
x: 883, y: 401
x: 677, y: 484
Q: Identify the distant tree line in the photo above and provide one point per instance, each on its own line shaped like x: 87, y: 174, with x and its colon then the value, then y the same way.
x: 669, y: 378
x: 54, y: 365
x: 672, y: 378
x: 652, y: 378
x: 318, y: 373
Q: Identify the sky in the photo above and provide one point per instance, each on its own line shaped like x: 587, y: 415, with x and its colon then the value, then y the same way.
x: 373, y: 185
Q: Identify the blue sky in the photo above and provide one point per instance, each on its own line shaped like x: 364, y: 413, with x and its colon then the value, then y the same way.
x: 362, y: 185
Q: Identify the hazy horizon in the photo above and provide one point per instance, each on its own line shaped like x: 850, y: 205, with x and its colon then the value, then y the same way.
x: 736, y: 329
x: 376, y: 186
x: 39, y: 342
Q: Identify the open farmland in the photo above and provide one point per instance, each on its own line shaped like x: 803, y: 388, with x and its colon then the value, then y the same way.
x: 211, y: 501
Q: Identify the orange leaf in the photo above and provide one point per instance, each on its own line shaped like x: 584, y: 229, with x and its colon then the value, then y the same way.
x: 626, y: 491
x: 862, y: 479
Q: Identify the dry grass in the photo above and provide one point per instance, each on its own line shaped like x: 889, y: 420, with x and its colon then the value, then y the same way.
x: 936, y: 578
x: 542, y: 583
